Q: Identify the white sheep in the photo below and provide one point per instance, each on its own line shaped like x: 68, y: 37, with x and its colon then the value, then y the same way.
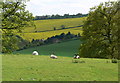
x: 35, y: 53
x: 53, y: 56
x: 76, y: 56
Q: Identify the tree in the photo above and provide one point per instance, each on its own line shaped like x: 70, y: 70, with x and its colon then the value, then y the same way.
x: 79, y: 14
x: 100, y: 31
x: 79, y: 35
x: 62, y: 36
x: 63, y: 26
x: 14, y: 19
x: 66, y: 15
x: 69, y: 35
x: 54, y: 28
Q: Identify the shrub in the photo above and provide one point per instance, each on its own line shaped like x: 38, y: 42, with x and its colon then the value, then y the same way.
x: 107, y: 61
x: 114, y: 61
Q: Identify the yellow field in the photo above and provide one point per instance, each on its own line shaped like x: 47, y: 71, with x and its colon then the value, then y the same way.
x: 45, y: 35
x: 42, y: 25
x: 30, y: 33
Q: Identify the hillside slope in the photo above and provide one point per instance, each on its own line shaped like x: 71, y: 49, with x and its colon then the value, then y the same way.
x: 45, y: 28
x: 68, y: 48
x: 45, y: 35
x: 42, y: 25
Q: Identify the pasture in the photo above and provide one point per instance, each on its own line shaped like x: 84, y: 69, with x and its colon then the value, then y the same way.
x: 68, y: 48
x: 43, y: 68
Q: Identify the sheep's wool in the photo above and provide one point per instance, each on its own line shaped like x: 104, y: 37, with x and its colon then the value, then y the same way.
x: 53, y: 56
x: 77, y: 57
x: 35, y: 53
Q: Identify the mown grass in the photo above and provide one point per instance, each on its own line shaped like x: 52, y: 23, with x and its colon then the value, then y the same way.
x: 45, y: 35
x: 43, y: 68
x: 42, y: 25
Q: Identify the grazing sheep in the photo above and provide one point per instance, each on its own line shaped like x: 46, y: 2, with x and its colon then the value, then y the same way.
x: 53, y: 56
x: 76, y: 56
x: 35, y: 53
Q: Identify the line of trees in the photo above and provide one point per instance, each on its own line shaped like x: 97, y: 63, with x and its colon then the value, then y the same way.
x: 23, y: 44
x: 62, y: 37
x: 57, y: 16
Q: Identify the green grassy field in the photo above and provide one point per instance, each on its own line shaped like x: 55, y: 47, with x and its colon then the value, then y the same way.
x: 68, y: 48
x: 43, y: 68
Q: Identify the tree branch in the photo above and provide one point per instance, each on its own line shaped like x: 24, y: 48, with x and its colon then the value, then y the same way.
x: 5, y: 16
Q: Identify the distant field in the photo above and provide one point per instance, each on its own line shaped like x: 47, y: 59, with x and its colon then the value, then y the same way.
x: 68, y: 48
x: 45, y: 35
x: 43, y: 68
x: 42, y: 25
x: 45, y: 26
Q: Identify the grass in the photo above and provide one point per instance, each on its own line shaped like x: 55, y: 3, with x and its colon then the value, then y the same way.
x: 45, y: 35
x: 68, y: 48
x: 43, y: 68
x: 42, y: 25
x: 0, y: 67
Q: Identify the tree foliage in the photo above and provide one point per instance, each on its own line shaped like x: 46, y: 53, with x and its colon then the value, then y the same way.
x: 101, y: 31
x: 14, y: 19
x: 57, y: 16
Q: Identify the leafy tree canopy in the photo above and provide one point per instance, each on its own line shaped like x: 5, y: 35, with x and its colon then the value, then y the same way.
x: 14, y: 19
x: 101, y: 31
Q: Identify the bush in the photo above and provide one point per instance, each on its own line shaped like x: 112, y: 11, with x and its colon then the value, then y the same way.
x: 114, y: 61
x: 107, y: 61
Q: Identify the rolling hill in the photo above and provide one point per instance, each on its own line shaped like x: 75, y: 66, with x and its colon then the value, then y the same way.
x: 45, y: 28
x: 49, y: 24
x: 61, y: 49
x: 68, y: 48
x: 45, y: 35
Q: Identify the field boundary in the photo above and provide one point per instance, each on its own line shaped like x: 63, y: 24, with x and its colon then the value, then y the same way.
x: 54, y: 30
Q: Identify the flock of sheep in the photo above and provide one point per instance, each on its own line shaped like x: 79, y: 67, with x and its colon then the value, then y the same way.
x: 53, y: 56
